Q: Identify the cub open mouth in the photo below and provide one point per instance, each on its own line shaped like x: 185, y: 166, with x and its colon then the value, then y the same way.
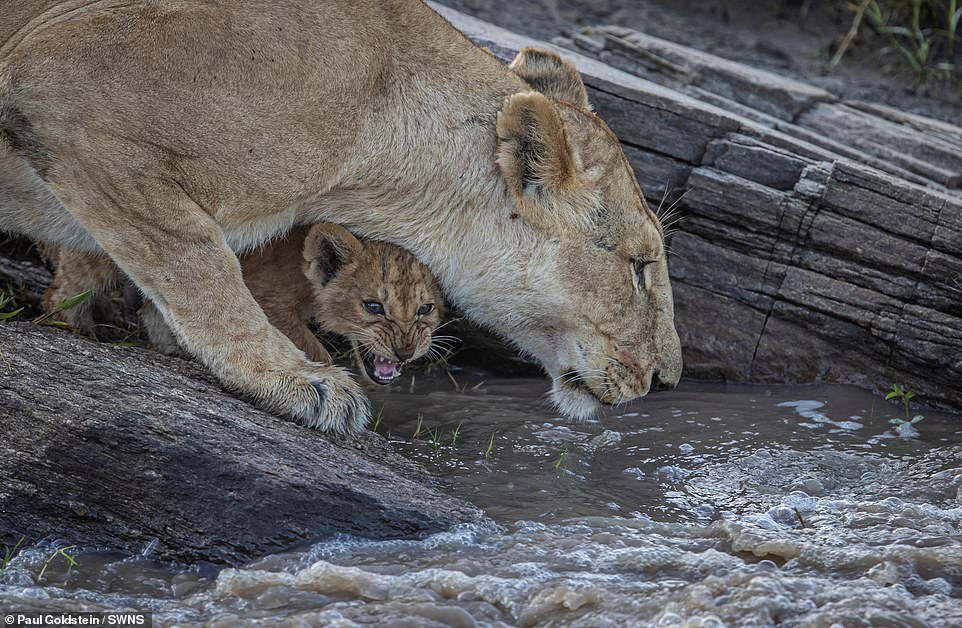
x: 381, y: 370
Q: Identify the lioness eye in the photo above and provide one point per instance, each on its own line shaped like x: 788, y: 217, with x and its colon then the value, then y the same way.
x: 425, y: 309
x: 638, y: 266
x: 373, y: 307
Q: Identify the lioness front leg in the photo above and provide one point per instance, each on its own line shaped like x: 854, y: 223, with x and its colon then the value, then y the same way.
x: 179, y: 257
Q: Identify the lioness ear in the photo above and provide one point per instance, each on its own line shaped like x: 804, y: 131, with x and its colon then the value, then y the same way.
x: 551, y: 75
x: 541, y: 168
x: 327, y: 248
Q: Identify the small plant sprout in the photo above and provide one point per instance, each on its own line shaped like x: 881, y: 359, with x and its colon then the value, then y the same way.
x: 419, y: 427
x: 487, y: 452
x: 457, y: 432
x: 904, y: 426
x: 435, y: 435
x: 7, y: 300
x: 9, y: 553
x: 70, y: 558
x: 458, y: 388
x: 377, y: 419
x: 561, y: 459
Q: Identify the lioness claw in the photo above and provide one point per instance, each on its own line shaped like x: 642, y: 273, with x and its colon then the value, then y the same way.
x: 335, y: 403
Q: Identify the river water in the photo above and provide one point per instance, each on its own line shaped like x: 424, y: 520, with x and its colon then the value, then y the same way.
x: 709, y: 505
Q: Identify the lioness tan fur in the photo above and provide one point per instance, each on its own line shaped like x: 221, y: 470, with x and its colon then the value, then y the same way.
x: 172, y: 134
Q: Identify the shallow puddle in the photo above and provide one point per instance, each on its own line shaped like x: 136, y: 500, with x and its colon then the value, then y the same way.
x: 709, y: 505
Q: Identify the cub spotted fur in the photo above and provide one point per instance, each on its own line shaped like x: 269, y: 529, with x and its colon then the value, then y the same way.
x: 172, y: 135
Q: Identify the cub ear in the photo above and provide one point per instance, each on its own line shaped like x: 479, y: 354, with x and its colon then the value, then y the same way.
x: 542, y: 170
x: 548, y: 73
x: 327, y: 249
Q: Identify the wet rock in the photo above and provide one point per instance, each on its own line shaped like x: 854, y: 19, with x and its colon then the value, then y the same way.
x: 113, y: 447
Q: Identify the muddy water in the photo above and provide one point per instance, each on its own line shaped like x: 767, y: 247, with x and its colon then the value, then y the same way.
x: 705, y: 506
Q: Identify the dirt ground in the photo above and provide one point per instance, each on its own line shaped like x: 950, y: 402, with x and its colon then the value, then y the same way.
x: 792, y: 37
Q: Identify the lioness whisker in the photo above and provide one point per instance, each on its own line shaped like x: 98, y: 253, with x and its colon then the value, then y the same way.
x: 664, y: 195
x: 671, y: 208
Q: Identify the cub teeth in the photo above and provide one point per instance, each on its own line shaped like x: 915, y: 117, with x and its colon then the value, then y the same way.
x: 385, y: 370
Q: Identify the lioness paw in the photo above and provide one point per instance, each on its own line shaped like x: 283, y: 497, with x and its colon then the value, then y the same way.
x: 331, y: 401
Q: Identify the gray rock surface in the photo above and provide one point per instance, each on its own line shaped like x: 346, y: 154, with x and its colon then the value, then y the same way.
x: 113, y: 447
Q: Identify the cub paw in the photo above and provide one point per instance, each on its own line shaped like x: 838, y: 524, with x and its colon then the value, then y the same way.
x: 331, y: 401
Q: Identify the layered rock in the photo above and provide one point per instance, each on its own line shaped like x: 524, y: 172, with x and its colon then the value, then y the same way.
x: 815, y: 239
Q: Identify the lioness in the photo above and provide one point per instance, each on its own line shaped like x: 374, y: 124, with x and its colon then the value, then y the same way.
x: 172, y: 134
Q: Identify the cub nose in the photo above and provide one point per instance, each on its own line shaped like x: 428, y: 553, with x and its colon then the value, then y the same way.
x: 403, y: 355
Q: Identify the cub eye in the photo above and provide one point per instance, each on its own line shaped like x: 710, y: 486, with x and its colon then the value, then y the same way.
x: 638, y: 276
x: 373, y: 307
x: 425, y: 309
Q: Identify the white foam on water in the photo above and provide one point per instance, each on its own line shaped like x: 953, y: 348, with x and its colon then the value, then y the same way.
x: 752, y: 519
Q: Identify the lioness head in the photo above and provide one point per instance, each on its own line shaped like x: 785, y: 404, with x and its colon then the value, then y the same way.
x: 375, y: 294
x: 600, y: 316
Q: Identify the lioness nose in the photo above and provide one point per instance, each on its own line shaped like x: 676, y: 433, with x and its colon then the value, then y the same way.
x: 656, y: 383
x: 403, y: 355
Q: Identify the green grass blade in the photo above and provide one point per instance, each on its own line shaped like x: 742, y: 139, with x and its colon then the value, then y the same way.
x: 7, y: 315
x: 75, y: 300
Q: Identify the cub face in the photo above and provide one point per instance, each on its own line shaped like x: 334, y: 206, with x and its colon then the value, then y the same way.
x: 376, y: 294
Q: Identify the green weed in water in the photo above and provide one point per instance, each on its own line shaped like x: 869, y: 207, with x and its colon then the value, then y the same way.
x: 463, y: 389
x: 377, y: 419
x: 418, y: 428
x: 561, y: 459
x: 457, y: 432
x: 457, y: 387
x: 9, y: 553
x: 435, y: 436
x: 904, y: 426
x: 487, y: 452
x: 70, y: 558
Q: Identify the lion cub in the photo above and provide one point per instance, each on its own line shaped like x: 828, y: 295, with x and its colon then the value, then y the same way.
x: 375, y: 294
